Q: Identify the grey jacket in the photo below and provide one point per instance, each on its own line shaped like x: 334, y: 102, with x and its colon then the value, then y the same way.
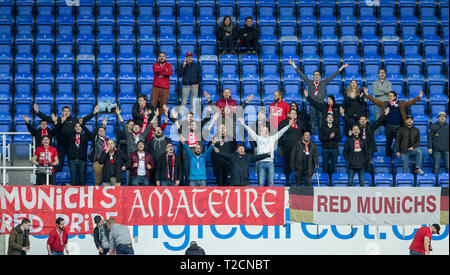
x: 381, y: 90
x: 322, y: 84
x: 438, y: 137
x: 131, y: 143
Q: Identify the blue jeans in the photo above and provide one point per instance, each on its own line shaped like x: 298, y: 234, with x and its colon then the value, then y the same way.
x: 265, y: 170
x: 197, y: 182
x: 329, y: 156
x: 167, y: 183
x: 412, y: 252
x: 78, y: 172
x: 437, y: 161
x: 57, y: 252
x: 417, y: 154
x: 316, y: 119
x: 351, y: 175
x: 139, y: 180
x: 124, y: 249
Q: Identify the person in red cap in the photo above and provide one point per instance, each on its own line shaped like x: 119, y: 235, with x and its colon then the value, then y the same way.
x: 161, y: 82
x: 421, y: 244
x: 191, y: 72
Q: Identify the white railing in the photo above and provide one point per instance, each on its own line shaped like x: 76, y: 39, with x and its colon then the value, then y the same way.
x: 5, y: 156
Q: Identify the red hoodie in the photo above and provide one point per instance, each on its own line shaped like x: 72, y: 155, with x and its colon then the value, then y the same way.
x: 222, y: 103
x: 278, y: 111
x: 162, y: 72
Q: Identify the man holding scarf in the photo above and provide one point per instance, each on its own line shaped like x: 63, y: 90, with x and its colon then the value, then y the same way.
x: 356, y: 153
x: 304, y: 159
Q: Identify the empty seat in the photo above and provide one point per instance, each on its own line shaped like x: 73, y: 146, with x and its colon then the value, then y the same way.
x: 388, y: 26
x: 226, y: 7
x: 404, y: 180
x: 443, y: 180
x: 268, y: 25
x: 229, y: 64
x: 288, y: 26
x: 427, y: 179
x: 348, y: 25
x: 287, y: 8
x: 269, y: 45
x: 186, y: 25
x: 383, y: 180
x: 207, y: 45
x: 206, y: 8
x: 288, y: 45
x: 266, y: 8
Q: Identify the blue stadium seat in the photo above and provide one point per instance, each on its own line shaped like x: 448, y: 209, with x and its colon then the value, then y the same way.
x: 24, y: 50
x: 368, y: 25
x: 415, y: 84
x: 207, y: 45
x: 320, y: 179
x: 426, y: 180
x: 266, y: 8
x: 231, y: 81
x: 328, y: 26
x: 25, y: 30
x: 146, y: 31
x: 186, y: 44
x: 249, y: 64
x: 329, y: 48
x: 434, y: 66
x: 387, y: 8
x: 431, y: 45
x: 288, y: 26
x: 305, y: 8
x: 226, y: 7
x: 250, y: 86
x: 367, y: 180
x: 272, y: 83
x: 207, y: 25
x: 209, y: 64
x: 404, y: 180
x: 288, y: 46
x: 327, y: 8
x: 245, y: 8
x: 229, y: 64
x: 438, y: 104
x: 186, y: 25
x: 408, y: 25
x: 383, y: 180
x: 443, y: 180
x: 167, y: 25
x: 407, y: 8
x: 348, y: 25
x: 349, y: 45
x: 269, y: 45
x: 339, y: 179
x: 388, y: 25
x: 268, y: 25
x: 24, y: 10
x: 168, y: 44
x: 436, y: 84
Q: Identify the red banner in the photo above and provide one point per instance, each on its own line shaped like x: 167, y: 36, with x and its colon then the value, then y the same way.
x: 138, y: 206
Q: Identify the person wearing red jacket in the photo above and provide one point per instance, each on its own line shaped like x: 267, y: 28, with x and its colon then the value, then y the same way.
x: 226, y: 102
x: 140, y: 164
x: 278, y: 110
x: 161, y: 82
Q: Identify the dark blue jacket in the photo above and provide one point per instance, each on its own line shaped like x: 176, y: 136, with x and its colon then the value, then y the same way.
x: 191, y: 73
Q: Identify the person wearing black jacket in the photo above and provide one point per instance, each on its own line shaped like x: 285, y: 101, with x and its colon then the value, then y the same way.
x: 77, y: 154
x: 304, y: 159
x: 227, y: 35
x: 221, y: 167
x: 67, y: 123
x: 43, y: 130
x: 240, y: 164
x: 191, y: 72
x: 287, y: 142
x: 249, y: 36
x: 169, y: 168
x: 367, y: 133
x: 330, y: 107
x: 101, y: 236
x: 157, y: 148
x: 114, y: 163
x: 138, y: 110
x: 356, y: 153
x: 194, y: 249
x: 438, y: 142
x: 330, y: 136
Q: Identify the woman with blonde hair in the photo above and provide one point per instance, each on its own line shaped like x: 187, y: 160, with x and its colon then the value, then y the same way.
x: 353, y: 104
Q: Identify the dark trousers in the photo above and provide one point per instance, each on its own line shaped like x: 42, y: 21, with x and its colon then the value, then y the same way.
x: 105, y: 251
x: 62, y: 152
x: 351, y: 175
x: 78, y: 172
x: 228, y: 43
x: 124, y: 249
x: 391, y: 133
x: 249, y: 43
x: 329, y: 157
x: 302, y: 178
x: 286, y: 150
x: 221, y: 172
x: 42, y: 178
x: 186, y: 171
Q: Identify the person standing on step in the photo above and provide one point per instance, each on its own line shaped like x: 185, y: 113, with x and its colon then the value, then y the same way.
x: 191, y: 72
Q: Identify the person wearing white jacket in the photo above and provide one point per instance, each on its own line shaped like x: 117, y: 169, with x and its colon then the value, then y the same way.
x: 265, y: 144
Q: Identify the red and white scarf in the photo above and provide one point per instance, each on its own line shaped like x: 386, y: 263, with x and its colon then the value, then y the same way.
x: 393, y: 103
x: 170, y: 168
x: 316, y: 87
x: 306, y: 147
x: 192, y: 139
x: 357, y: 145
x: 294, y: 125
x: 330, y: 109
x: 77, y: 140
x: 44, y: 132
x: 111, y: 157
x: 105, y: 147
x: 144, y: 125
x: 47, y: 156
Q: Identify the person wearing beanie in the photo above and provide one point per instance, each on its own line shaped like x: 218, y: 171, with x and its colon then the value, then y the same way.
x: 438, y: 142
x: 325, y: 108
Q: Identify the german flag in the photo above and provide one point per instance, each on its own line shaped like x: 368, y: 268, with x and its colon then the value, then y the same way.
x: 301, y: 201
x: 444, y: 205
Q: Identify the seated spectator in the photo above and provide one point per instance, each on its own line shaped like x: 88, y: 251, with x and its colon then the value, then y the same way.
x: 438, y: 142
x: 249, y: 36
x: 228, y: 35
x: 407, y: 145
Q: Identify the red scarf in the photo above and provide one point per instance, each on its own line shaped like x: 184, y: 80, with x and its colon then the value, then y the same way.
x: 77, y: 140
x: 330, y: 110
x: 306, y: 147
x: 168, y: 167
x: 192, y: 139
x: 316, y: 86
x: 364, y: 132
x: 44, y: 132
x: 393, y: 103
x: 294, y: 125
x: 111, y: 157
x: 357, y: 145
x: 144, y: 125
x: 105, y: 147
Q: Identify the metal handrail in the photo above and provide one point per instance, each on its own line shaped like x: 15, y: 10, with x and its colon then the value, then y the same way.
x: 4, y: 155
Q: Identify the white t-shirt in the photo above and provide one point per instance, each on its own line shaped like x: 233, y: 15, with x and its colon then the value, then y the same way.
x: 141, y: 166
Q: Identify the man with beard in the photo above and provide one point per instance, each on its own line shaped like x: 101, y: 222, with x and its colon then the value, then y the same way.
x: 304, y: 159
x: 43, y: 129
x: 197, y: 174
x: 140, y: 164
x: 138, y: 111
x: 46, y: 156
x: 114, y: 163
x: 161, y: 82
x: 356, y: 154
x: 169, y: 168
x: 278, y: 109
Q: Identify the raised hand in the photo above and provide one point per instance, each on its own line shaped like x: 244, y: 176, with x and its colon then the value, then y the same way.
x: 249, y: 98
x: 182, y: 139
x: 166, y: 109
x: 292, y: 63
x: 343, y: 66
x: 214, y: 140
x: 80, y: 120
x: 241, y: 120
x: 366, y: 91
x: 342, y: 111
x: 54, y: 118
x: 421, y: 94
x: 105, y: 121
x: 206, y: 95
x: 305, y: 92
x: 35, y: 108
x: 118, y: 111
x: 386, y: 111
x: 96, y: 108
